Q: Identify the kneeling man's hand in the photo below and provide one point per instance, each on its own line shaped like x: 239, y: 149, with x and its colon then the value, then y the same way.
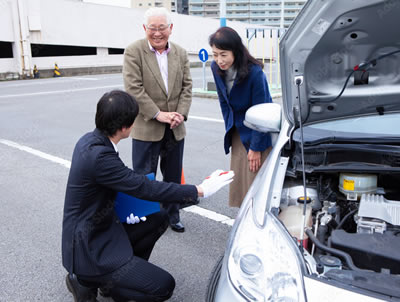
x: 216, y: 181
x: 132, y: 219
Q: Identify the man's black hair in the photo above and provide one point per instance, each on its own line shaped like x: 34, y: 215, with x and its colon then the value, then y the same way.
x: 115, y: 110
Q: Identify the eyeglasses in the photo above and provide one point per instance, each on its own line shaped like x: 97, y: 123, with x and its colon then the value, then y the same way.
x: 161, y: 28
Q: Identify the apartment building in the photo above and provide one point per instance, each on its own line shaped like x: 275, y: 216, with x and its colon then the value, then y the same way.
x: 151, y: 3
x: 178, y: 6
x: 279, y: 13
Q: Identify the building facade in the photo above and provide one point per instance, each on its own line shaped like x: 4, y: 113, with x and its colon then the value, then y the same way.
x: 277, y: 13
x: 178, y: 6
x: 152, y: 3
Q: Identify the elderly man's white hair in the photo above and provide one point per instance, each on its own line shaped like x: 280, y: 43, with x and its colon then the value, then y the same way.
x: 157, y: 11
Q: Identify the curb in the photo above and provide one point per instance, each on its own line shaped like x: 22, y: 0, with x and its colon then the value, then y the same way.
x: 214, y: 95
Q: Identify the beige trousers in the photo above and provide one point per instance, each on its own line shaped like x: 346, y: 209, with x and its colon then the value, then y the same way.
x: 243, y: 176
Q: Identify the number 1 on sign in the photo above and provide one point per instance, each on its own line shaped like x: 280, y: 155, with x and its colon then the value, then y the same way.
x: 203, y: 54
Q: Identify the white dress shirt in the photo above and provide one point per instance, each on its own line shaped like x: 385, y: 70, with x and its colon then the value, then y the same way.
x: 162, y: 59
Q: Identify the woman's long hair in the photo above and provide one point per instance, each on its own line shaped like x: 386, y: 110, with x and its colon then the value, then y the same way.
x: 226, y: 38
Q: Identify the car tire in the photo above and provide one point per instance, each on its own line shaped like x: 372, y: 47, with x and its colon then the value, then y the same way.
x: 213, y: 281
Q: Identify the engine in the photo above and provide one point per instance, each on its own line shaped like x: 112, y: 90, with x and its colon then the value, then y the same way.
x: 353, y: 223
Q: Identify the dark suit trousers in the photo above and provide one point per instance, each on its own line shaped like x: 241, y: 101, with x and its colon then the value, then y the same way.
x: 170, y: 151
x: 138, y: 279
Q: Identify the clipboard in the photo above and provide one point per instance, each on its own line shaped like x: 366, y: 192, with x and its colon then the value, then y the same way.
x: 125, y: 205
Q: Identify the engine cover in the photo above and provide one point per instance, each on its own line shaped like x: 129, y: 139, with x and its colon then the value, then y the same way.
x: 370, y: 251
x: 378, y: 207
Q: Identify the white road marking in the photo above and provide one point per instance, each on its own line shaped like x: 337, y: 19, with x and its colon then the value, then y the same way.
x: 38, y: 153
x: 67, y: 164
x: 85, y: 79
x: 206, y: 119
x: 43, y: 82
x: 60, y: 91
x: 210, y: 214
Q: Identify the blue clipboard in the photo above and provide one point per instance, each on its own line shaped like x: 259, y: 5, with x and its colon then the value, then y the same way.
x: 126, y: 204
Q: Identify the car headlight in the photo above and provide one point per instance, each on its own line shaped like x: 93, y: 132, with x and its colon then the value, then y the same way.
x: 264, y: 263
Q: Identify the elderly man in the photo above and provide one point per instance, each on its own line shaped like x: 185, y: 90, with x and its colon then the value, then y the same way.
x: 156, y: 72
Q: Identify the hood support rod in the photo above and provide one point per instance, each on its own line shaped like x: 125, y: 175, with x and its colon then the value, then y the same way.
x: 299, y: 81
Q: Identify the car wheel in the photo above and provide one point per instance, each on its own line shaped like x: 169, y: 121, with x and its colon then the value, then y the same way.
x: 213, y: 281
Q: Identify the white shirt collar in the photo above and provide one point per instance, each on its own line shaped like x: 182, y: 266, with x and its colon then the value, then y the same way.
x: 114, y: 145
x: 167, y: 49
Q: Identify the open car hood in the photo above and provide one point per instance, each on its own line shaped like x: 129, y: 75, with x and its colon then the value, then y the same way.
x: 328, y: 41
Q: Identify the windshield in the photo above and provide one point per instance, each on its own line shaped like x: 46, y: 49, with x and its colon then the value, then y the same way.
x: 379, y: 128
x: 366, y: 126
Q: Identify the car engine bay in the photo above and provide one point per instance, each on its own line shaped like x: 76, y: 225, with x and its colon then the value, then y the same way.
x: 352, y: 222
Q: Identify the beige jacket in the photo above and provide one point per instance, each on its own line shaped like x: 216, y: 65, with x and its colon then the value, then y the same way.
x: 143, y: 80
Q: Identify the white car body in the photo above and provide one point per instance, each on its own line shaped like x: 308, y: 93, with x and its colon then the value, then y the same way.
x: 336, y: 145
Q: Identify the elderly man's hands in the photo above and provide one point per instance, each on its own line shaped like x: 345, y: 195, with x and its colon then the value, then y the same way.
x: 172, y: 118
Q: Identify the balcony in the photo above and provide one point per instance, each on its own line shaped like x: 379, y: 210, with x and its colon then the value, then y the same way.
x: 293, y: 6
x: 209, y: 8
x: 261, y: 22
x: 237, y: 15
x: 290, y: 14
x: 266, y: 1
x: 237, y: 9
x: 196, y: 14
x: 258, y: 15
x: 273, y: 23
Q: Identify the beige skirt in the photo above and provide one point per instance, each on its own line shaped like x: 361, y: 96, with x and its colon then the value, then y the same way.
x: 243, y: 176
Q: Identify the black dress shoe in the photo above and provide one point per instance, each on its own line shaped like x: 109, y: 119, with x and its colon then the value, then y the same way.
x: 177, y: 227
x: 81, y: 293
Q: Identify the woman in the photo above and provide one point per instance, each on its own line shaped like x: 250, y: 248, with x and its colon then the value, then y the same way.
x: 241, y: 83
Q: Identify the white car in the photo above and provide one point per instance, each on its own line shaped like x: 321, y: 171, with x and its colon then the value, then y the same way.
x: 321, y: 222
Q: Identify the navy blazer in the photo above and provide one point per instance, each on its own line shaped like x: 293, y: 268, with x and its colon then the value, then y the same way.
x: 250, y: 91
x: 94, y: 241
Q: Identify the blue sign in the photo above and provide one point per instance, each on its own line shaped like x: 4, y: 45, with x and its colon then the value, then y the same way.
x: 203, y: 55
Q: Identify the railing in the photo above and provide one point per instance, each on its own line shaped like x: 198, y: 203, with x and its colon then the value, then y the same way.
x: 263, y: 44
x: 196, y: 8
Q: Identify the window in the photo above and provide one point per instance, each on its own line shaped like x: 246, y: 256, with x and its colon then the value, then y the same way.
x: 46, y: 50
x: 6, y: 50
x: 116, y: 51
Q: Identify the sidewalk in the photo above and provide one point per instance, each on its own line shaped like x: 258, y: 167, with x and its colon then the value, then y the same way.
x: 200, y: 93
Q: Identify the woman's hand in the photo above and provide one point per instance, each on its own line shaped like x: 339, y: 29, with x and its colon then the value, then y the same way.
x: 254, y: 158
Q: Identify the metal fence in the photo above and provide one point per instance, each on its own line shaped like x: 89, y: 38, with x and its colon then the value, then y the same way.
x: 263, y: 44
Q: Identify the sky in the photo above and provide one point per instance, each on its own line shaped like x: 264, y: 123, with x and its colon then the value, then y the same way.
x: 123, y: 3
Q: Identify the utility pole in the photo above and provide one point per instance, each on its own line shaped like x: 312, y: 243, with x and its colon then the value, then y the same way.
x: 222, y: 12
x: 282, y: 13
x: 25, y: 69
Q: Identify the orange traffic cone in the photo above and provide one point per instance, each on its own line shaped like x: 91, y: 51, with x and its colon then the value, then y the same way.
x: 183, y: 178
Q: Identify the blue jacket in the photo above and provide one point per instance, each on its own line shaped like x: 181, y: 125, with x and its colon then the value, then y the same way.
x: 251, y: 91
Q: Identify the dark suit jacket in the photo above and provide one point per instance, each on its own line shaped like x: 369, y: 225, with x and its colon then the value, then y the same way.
x: 94, y: 241
x: 250, y: 91
x: 143, y: 80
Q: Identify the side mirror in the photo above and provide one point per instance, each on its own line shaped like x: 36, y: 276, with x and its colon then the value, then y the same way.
x: 264, y: 117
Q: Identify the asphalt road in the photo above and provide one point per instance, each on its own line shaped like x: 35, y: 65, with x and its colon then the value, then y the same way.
x: 50, y: 115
